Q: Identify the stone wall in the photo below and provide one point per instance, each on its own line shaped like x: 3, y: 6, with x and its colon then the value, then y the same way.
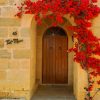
x: 15, y: 57
x: 18, y: 60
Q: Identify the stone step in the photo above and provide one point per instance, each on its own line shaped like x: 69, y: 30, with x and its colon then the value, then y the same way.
x: 53, y: 98
x: 54, y: 93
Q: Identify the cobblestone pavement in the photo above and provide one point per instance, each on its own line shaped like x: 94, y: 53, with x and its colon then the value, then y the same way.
x: 54, y: 93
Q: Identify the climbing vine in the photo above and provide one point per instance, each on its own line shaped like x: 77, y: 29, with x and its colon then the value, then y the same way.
x: 87, y: 46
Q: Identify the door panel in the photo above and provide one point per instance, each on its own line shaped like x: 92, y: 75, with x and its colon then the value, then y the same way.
x: 55, y: 65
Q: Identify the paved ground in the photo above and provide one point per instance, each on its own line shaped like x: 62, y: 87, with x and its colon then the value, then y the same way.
x: 54, y: 93
x: 51, y: 93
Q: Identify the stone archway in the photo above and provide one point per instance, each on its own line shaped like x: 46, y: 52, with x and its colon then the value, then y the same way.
x: 40, y: 33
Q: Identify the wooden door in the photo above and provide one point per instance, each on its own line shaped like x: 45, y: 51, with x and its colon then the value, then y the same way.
x: 55, y: 65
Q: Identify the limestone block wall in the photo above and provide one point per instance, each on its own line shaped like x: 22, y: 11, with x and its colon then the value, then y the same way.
x: 15, y: 57
x: 18, y: 60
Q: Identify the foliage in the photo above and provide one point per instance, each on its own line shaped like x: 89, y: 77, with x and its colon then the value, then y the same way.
x: 87, y: 45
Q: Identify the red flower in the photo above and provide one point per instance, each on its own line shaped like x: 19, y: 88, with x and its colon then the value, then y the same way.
x: 90, y: 88
x: 94, y: 1
x: 98, y: 82
x: 59, y: 19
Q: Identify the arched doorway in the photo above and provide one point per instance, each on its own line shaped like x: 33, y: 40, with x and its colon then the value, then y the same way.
x: 55, y: 57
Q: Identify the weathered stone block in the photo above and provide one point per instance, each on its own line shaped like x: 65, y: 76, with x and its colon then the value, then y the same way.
x: 96, y: 31
x: 25, y: 64
x: 21, y: 54
x: 8, y: 11
x: 14, y: 64
x: 10, y: 22
x: 96, y: 22
x: 1, y: 43
x: 11, y: 30
x: 3, y: 2
x: 3, y: 32
x: 25, y: 43
x: 3, y: 75
x: 25, y: 32
x: 14, y: 99
x: 17, y: 75
x: 13, y: 2
x: 4, y: 64
x: 5, y: 54
x: 19, y: 64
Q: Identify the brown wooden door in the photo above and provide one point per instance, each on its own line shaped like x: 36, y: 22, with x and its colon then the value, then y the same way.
x: 55, y: 65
